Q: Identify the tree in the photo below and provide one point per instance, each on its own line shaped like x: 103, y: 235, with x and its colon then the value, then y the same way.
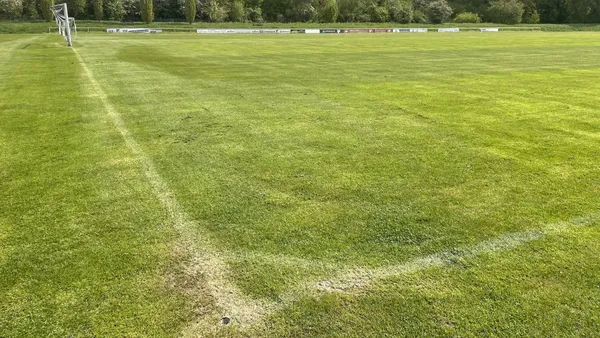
x: 584, y: 11
x: 270, y: 9
x: 77, y: 8
x: 190, y: 11
x: 534, y: 18
x: 115, y: 10
x: 98, y: 11
x: 400, y: 11
x: 438, y: 11
x: 378, y: 13
x: 29, y: 10
x: 147, y: 10
x: 328, y: 11
x: 554, y: 11
x: 45, y: 8
x: 10, y: 9
x: 347, y: 10
x: 254, y: 14
x: 505, y: 11
x: 237, y: 12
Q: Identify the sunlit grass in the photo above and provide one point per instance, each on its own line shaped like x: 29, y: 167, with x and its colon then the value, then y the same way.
x: 354, y: 150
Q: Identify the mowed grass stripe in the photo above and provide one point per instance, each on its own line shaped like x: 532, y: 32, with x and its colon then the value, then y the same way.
x: 207, y: 84
x: 84, y: 249
x: 205, y: 261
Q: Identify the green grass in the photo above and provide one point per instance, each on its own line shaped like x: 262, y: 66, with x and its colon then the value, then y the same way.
x: 300, y: 157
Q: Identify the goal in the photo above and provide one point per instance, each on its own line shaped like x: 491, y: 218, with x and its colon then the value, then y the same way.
x: 66, y: 25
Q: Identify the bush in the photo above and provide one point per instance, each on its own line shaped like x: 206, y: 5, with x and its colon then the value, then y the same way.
x: 10, y: 9
x: 467, y: 17
x: 508, y: 12
x: 420, y: 5
x: 438, y: 11
x: 215, y: 12
x: 535, y: 17
x: 554, y: 11
x: 237, y: 11
x: 45, y: 9
x: 328, y: 11
x: 419, y: 17
x: 300, y: 11
x: 378, y: 14
x: 29, y: 10
x: 400, y: 12
x: 254, y: 14
x: 77, y: 8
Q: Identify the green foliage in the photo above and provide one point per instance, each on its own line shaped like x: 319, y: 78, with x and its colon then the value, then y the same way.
x: 378, y: 13
x: 399, y: 11
x: 324, y: 11
x: 98, y: 10
x: 531, y: 18
x: 214, y: 11
x: 237, y: 12
x: 584, y: 11
x: 328, y: 10
x: 534, y: 18
x: 147, y: 10
x: 508, y: 12
x: 190, y: 11
x: 419, y: 17
x: 467, y: 17
x: 169, y: 9
x: 254, y: 14
x: 438, y: 11
x: 347, y: 10
x: 271, y: 9
x: 29, y: 9
x: 554, y: 11
x: 11, y: 9
x: 45, y: 9
x: 76, y: 8
x: 300, y: 11
x: 114, y: 10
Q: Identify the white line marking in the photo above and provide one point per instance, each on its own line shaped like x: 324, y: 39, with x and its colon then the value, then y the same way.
x: 194, y: 239
x: 360, y: 278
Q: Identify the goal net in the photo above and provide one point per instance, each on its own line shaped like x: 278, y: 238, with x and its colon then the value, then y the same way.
x: 66, y: 25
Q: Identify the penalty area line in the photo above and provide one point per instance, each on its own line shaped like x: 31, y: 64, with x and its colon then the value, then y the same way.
x: 361, y: 277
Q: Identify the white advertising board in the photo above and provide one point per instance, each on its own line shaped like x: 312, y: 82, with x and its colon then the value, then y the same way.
x: 448, y: 30
x: 133, y: 30
x: 242, y: 31
x: 410, y: 30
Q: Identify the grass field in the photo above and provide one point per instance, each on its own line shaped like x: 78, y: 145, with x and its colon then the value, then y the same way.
x: 329, y: 185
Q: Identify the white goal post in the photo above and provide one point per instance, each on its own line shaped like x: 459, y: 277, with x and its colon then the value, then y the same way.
x: 66, y: 25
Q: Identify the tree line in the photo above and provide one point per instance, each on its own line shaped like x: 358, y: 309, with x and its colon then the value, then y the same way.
x: 326, y: 11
